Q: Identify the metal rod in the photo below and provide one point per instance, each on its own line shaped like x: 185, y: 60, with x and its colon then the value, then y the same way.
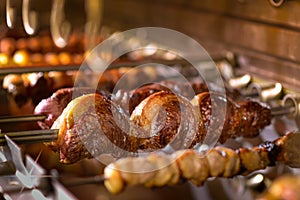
x: 24, y: 118
x: 30, y: 69
x: 31, y: 139
x: 38, y: 68
x: 251, y: 94
x: 282, y: 110
x: 30, y: 133
x: 83, y: 181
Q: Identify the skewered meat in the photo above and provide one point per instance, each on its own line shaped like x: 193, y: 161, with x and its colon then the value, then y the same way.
x: 243, y: 118
x: 59, y: 100
x: 53, y: 106
x: 162, y: 118
x: 16, y: 87
x: 136, y: 96
x: 156, y: 170
x: 166, y: 118
x: 39, y: 87
x: 128, y: 100
x: 284, y: 187
x: 88, y: 121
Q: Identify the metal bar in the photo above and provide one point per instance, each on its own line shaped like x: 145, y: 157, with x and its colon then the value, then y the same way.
x: 282, y: 110
x: 31, y: 139
x: 83, y: 181
x: 24, y: 118
x: 30, y: 133
x: 30, y: 69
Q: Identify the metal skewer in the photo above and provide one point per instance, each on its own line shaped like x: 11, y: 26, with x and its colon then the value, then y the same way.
x: 30, y: 133
x: 83, y: 181
x: 29, y: 137
x: 38, y: 68
x: 282, y: 110
x: 23, y: 118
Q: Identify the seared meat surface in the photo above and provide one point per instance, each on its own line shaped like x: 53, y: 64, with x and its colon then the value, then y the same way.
x: 53, y: 106
x: 161, y: 119
x: 157, y: 170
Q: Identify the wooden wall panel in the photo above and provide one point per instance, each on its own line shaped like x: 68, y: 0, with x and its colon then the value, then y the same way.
x: 269, y: 37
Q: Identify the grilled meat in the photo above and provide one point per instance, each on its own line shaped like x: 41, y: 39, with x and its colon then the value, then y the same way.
x: 243, y: 117
x: 93, y: 121
x: 284, y: 187
x: 53, y: 106
x: 135, y: 97
x: 156, y: 170
x: 161, y: 119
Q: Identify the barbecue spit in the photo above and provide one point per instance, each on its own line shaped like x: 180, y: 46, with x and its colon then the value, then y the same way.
x: 157, y: 170
x: 80, y: 121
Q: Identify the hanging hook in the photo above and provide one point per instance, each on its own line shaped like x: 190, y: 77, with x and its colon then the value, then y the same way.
x: 29, y: 18
x: 276, y: 3
x: 94, y: 17
x: 60, y: 28
x: 10, y: 14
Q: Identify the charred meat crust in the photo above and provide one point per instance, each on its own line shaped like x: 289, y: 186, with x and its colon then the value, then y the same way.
x: 243, y: 118
x: 161, y: 119
x: 191, y: 165
x: 94, y: 130
x: 53, y: 106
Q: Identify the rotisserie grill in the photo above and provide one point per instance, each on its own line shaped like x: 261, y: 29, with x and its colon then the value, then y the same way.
x: 131, y: 99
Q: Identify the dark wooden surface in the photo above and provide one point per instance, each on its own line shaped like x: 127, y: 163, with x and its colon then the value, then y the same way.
x: 266, y: 37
